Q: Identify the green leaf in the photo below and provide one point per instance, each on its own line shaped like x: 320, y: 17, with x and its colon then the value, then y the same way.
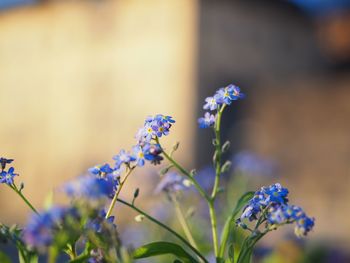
x: 242, y: 201
x: 231, y: 253
x: 26, y: 257
x: 162, y: 248
x: 4, y: 258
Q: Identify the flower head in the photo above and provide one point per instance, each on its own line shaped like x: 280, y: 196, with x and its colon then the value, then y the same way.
x: 207, y: 121
x: 123, y: 157
x: 152, y: 152
x: 7, y: 177
x: 210, y: 103
x: 139, y: 155
x: 154, y: 127
x: 228, y: 94
x: 271, y: 203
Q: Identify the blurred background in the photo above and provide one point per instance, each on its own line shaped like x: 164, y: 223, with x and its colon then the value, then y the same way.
x: 77, y: 79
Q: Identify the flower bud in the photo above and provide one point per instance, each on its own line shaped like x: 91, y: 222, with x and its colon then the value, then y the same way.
x: 226, y: 167
x: 139, y: 218
x: 225, y: 146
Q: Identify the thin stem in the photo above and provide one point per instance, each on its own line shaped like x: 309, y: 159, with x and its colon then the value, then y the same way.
x: 217, y: 164
x: 114, y: 200
x: 165, y: 227
x: 183, y: 221
x: 213, y: 228
x: 218, y: 152
x: 187, y: 174
x: 14, y: 188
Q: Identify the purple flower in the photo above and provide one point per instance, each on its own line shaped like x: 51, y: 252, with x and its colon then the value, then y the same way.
x: 207, y: 121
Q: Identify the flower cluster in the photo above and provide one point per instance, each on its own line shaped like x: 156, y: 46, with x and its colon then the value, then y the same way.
x: 270, y: 204
x: 223, y: 96
x: 7, y: 177
x: 39, y: 232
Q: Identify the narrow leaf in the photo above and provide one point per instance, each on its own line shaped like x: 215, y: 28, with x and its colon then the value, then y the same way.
x: 162, y: 248
x: 242, y: 201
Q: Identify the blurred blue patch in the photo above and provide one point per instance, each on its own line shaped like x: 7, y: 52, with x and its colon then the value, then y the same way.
x: 322, y: 7
x: 5, y: 4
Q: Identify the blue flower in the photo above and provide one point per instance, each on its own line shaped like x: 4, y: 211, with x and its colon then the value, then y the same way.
x: 270, y: 204
x: 155, y: 126
x: 139, y: 155
x: 211, y: 103
x: 101, y: 169
x: 171, y: 182
x: 288, y: 214
x: 92, y: 187
x: 303, y: 226
x: 123, y: 157
x: 4, y: 161
x: 39, y: 231
x: 228, y: 94
x: 96, y: 223
x: 207, y: 121
x: 276, y: 193
x: 152, y: 153
x: 7, y: 177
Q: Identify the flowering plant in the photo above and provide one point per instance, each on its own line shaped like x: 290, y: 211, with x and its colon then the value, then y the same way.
x: 85, y: 229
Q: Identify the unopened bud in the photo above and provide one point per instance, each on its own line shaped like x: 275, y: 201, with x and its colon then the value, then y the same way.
x: 226, y: 167
x: 225, y: 146
x: 176, y: 146
x: 193, y: 172
x: 139, y: 218
x: 136, y: 193
x: 215, y: 156
x: 187, y: 183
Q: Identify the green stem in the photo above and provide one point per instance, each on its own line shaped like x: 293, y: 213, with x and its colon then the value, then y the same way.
x: 114, y: 200
x: 218, y: 152
x: 183, y: 222
x: 213, y: 227
x: 217, y: 163
x: 53, y: 253
x: 14, y: 188
x: 187, y: 174
x: 152, y: 219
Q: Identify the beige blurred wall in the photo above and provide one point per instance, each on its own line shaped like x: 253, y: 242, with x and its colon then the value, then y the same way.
x: 77, y: 79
